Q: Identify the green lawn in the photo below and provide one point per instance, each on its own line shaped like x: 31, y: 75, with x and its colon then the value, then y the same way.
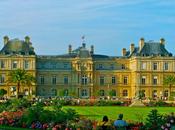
x: 130, y: 113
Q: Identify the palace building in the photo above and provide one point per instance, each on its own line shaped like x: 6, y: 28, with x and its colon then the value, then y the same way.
x: 83, y: 73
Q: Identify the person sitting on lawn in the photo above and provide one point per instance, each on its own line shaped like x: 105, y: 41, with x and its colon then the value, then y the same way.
x: 120, y: 124
x: 104, y: 124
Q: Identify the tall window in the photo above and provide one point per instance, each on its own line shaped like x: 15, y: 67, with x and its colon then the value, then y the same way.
x: 54, y: 92
x: 102, y: 80
x: 14, y: 64
x: 123, y: 66
x: 2, y: 78
x: 113, y: 80
x: 166, y: 93
x: 154, y: 80
x: 154, y: 93
x: 100, y: 66
x: 42, y: 79
x: 143, y: 80
x: 66, y: 80
x: 111, y: 66
x: 84, y: 80
x: 155, y: 66
x: 84, y: 92
x: 26, y: 64
x: 125, y: 80
x: 143, y: 66
x: 54, y: 79
x: 2, y: 64
x: 166, y: 66
x: 125, y: 93
x: 65, y: 65
x: 102, y: 93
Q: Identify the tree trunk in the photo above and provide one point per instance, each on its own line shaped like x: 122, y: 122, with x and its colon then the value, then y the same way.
x: 170, y: 90
x: 18, y: 90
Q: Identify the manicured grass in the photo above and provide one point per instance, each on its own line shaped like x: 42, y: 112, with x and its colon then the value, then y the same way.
x: 130, y: 113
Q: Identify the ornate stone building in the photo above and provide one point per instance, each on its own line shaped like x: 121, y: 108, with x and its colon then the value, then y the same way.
x: 83, y: 73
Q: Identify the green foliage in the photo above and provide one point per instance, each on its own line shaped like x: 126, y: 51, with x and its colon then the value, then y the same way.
x: 14, y: 104
x: 20, y: 77
x: 3, y: 92
x: 112, y: 93
x: 108, y: 103
x: 141, y: 94
x: 169, y: 80
x: 56, y: 115
x: 154, y: 120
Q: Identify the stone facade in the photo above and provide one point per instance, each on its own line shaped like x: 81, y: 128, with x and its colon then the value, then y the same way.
x: 82, y: 73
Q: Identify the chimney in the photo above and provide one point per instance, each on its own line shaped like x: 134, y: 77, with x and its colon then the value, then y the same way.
x: 70, y: 49
x: 123, y: 51
x: 6, y: 39
x: 141, y: 43
x: 131, y: 48
x: 92, y: 49
x: 162, y: 41
x: 27, y: 39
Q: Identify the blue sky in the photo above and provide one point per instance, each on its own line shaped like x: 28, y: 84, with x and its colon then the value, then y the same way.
x: 109, y: 25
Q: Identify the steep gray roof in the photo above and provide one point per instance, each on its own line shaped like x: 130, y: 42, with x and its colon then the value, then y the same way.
x: 150, y: 48
x: 16, y: 46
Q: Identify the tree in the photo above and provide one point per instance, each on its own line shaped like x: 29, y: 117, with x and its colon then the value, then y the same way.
x: 112, y: 93
x: 3, y: 92
x: 30, y: 79
x: 20, y: 77
x: 170, y: 81
x: 154, y: 120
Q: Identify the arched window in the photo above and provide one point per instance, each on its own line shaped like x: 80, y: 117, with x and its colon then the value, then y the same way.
x: 125, y: 93
x: 54, y: 92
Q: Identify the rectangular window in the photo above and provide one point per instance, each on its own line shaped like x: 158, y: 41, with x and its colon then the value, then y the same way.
x: 66, y: 80
x: 102, y: 80
x: 113, y: 80
x: 14, y: 64
x: 125, y: 80
x: 155, y: 66
x: 112, y: 66
x: 65, y: 65
x: 2, y: 64
x: 100, y: 66
x: 143, y: 66
x: 84, y: 80
x: 2, y: 79
x: 42, y: 79
x: 166, y: 66
x: 155, y: 80
x: 143, y: 80
x: 26, y: 64
x: 54, y: 79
